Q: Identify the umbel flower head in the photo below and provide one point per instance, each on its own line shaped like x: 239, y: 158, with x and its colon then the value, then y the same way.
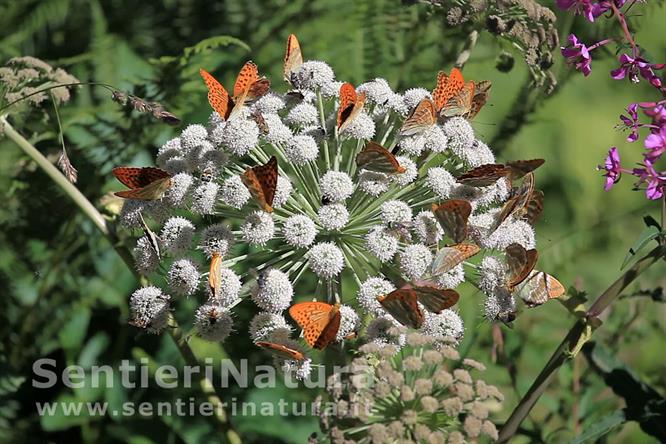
x: 423, y: 394
x: 391, y: 193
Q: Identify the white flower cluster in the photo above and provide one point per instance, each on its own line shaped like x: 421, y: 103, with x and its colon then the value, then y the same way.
x: 330, y: 216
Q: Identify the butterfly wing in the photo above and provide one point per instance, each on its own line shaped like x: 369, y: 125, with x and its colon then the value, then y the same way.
x: 281, y: 350
x: 449, y: 257
x: 153, y: 191
x: 247, y: 76
x: 447, y: 87
x: 218, y: 97
x: 423, y: 117
x: 484, y: 175
x: 520, y: 262
x: 519, y: 168
x: 375, y: 157
x: 452, y: 216
x: 293, y: 58
x: 330, y: 331
x: 516, y: 204
x: 133, y: 177
x: 481, y: 93
x: 460, y: 104
x: 312, y: 317
x: 151, y: 236
x: 534, y: 207
x: 539, y: 288
x: 214, y: 278
x: 261, y: 181
x: 350, y: 112
x: 347, y: 101
x: 436, y: 300
x: 402, y: 304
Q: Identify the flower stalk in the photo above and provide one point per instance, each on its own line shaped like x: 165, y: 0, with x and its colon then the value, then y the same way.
x: 572, y: 343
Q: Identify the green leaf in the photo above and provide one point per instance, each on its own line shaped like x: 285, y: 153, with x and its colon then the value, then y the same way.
x: 203, y: 46
x: 601, y: 427
x: 649, y: 234
x: 73, y: 332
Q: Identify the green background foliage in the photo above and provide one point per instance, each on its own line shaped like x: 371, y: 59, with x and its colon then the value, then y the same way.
x: 64, y: 290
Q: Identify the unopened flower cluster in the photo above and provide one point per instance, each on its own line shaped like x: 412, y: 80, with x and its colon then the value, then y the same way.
x: 426, y: 393
x: 646, y: 116
x: 330, y: 219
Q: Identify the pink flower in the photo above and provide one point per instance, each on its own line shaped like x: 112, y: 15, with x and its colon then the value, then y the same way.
x: 631, y: 122
x: 656, y: 143
x: 657, y: 111
x: 633, y: 66
x: 656, y: 181
x: 578, y: 7
x: 578, y: 55
x: 612, y: 167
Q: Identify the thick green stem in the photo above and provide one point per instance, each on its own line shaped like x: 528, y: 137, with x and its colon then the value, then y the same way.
x: 579, y: 333
x: 207, y: 387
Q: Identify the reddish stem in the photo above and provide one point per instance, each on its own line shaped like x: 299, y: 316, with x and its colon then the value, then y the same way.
x: 625, y: 29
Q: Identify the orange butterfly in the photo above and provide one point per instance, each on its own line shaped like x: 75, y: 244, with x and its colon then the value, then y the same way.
x: 452, y: 216
x: 148, y: 183
x: 320, y: 322
x: 214, y: 282
x: 402, y: 304
x: 261, y: 180
x: 521, y: 262
x: 539, y: 288
x: 375, y: 157
x: 281, y: 350
x: 351, y: 105
x: 449, y: 257
x: 248, y: 86
x: 293, y: 59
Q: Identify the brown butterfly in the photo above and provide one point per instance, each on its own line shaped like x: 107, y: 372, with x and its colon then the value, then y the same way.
x: 147, y: 183
x: 534, y: 207
x: 293, y: 59
x: 449, y: 257
x: 481, y: 93
x: 452, y: 216
x: 520, y: 262
x: 485, y: 175
x: 402, y: 304
x: 281, y: 350
x: 375, y: 157
x: 320, y: 322
x: 151, y: 236
x: 261, y: 180
x: 248, y: 87
x: 423, y: 117
x: 517, y: 204
x: 351, y: 105
x: 539, y: 288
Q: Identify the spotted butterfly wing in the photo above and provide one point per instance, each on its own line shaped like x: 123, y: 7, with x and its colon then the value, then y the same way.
x: 449, y: 257
x: 516, y: 205
x: 376, y: 158
x: 452, y: 216
x: 520, y: 262
x: 293, y: 58
x: 539, y: 288
x: 146, y: 183
x: 320, y: 322
x: 434, y: 299
x: 447, y: 87
x: 519, y: 168
x: 281, y: 350
x: 218, y: 97
x: 459, y: 104
x: 351, y: 105
x: 484, y: 175
x: 481, y: 93
x: 248, y: 75
x: 402, y: 304
x: 423, y: 117
x: 261, y: 181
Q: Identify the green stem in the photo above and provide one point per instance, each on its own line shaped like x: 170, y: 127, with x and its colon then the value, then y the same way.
x: 207, y: 387
x: 579, y: 333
